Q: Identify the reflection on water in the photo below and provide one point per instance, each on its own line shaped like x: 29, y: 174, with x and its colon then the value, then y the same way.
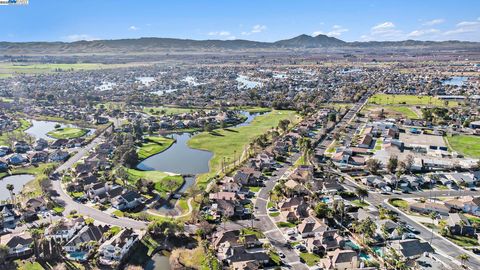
x: 39, y: 129
x: 17, y: 180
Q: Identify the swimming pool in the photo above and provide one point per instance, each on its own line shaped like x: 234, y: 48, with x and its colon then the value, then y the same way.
x: 78, y: 255
x: 378, y: 251
x: 352, y: 245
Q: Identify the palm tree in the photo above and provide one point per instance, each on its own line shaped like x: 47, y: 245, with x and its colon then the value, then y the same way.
x: 361, y: 193
x: 10, y: 189
x: 463, y: 258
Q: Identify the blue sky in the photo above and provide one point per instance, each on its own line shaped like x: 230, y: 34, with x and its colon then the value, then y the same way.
x: 262, y: 20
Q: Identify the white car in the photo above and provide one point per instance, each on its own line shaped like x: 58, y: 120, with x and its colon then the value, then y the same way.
x: 291, y: 232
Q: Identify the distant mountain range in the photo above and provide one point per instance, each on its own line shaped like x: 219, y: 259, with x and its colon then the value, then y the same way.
x: 304, y: 42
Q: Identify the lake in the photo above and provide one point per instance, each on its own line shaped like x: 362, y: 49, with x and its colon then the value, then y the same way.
x: 245, y: 82
x: 191, y: 81
x: 17, y: 180
x: 39, y: 129
x: 105, y: 86
x: 182, y: 159
x: 146, y: 80
x: 455, y: 81
x: 179, y: 158
x: 165, y: 91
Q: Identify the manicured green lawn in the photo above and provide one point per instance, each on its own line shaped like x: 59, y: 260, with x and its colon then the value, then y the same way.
x: 274, y: 214
x: 23, y: 265
x: 402, y: 204
x: 360, y: 203
x: 24, y: 125
x: 310, y: 258
x: 230, y: 143
x: 33, y: 187
x: 154, y: 145
x: 385, y: 99
x: 472, y: 218
x: 67, y: 133
x: 255, y: 109
x: 255, y: 231
x: 7, y: 69
x: 465, y: 144
x: 283, y: 224
x: 463, y: 241
x: 158, y: 177
x: 254, y: 189
x: 168, y: 110
x: 406, y: 111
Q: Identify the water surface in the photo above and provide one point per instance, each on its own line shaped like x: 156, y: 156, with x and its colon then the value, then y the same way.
x: 18, y: 182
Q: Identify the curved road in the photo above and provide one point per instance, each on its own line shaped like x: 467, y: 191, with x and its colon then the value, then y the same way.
x: 83, y: 209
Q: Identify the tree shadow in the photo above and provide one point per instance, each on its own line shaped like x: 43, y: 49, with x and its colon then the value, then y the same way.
x: 230, y: 130
x: 215, y: 133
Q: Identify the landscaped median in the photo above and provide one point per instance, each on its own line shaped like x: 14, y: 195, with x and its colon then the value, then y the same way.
x: 154, y: 145
x: 231, y: 143
x: 67, y: 133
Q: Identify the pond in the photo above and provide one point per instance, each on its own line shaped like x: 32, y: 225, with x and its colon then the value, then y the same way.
x: 179, y: 158
x: 146, y: 80
x: 163, y: 92
x: 191, y: 81
x: 245, y: 82
x: 158, y: 262
x: 455, y: 81
x: 39, y: 129
x: 105, y: 86
x: 18, y: 182
x: 182, y: 159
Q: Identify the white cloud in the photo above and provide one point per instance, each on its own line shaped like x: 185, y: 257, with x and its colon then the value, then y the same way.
x: 422, y: 33
x: 336, y: 31
x: 465, y: 27
x: 383, y: 26
x: 383, y: 31
x: 258, y: 28
x: 133, y: 28
x: 78, y: 37
x: 434, y: 22
x: 221, y: 34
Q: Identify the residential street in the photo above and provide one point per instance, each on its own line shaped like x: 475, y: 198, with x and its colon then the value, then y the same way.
x: 83, y: 209
x: 268, y: 227
x: 448, y: 250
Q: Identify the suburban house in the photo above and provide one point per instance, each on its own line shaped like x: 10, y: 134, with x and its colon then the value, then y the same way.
x: 467, y: 204
x: 458, y: 224
x: 127, y: 201
x: 115, y: 249
x: 411, y: 248
x: 311, y: 226
x: 340, y: 260
x: 428, y: 207
x: 64, y: 229
x: 85, y: 239
x: 19, y: 244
